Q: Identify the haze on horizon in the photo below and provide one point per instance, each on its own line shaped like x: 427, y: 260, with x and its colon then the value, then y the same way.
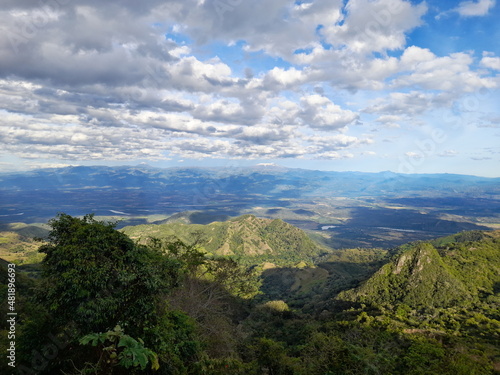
x: 361, y: 85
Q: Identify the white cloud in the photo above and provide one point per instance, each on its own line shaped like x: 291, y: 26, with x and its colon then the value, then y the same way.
x: 47, y: 165
x: 402, y: 104
x: 225, y: 111
x: 266, y: 134
x: 191, y: 74
x: 282, y: 111
x: 335, y: 142
x: 378, y: 25
x: 490, y: 61
x: 391, y: 121
x: 319, y: 112
x: 475, y: 8
x: 448, y: 153
x: 117, y: 80
x: 227, y: 22
x: 279, y: 78
x: 449, y: 73
x: 333, y: 155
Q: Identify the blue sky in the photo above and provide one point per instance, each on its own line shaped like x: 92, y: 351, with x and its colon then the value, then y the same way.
x: 363, y: 85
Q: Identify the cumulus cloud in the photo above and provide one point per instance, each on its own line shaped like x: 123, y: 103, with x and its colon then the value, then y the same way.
x: 336, y: 142
x: 268, y: 134
x: 402, y: 104
x: 391, y: 121
x: 375, y: 25
x: 334, y: 155
x: 490, y: 61
x: 118, y: 80
x: 449, y: 73
x: 319, y: 112
x: 279, y: 78
x: 232, y: 112
x: 475, y: 8
x: 233, y: 21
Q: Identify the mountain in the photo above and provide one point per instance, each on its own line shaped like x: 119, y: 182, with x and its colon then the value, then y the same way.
x: 459, y: 270
x: 349, y: 209
x: 417, y: 277
x: 272, y: 180
x: 253, y: 240
x: 423, y: 308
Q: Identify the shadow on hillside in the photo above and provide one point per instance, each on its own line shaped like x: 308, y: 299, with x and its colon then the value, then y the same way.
x: 388, y: 228
x: 496, y: 288
x: 326, y: 280
x: 405, y: 219
x: 209, y: 217
x: 24, y: 230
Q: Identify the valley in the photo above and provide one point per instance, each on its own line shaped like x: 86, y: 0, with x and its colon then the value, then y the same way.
x: 249, y: 294
x: 341, y: 209
x: 256, y: 270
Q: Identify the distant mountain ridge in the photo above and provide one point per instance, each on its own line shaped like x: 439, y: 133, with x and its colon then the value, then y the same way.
x: 358, y: 209
x: 246, y: 179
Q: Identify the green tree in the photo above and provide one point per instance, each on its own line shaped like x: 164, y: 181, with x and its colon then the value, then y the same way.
x: 119, y: 349
x: 95, y: 278
x: 273, y: 359
x: 214, y: 291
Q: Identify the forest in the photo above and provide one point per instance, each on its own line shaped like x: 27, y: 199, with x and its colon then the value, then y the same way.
x: 101, y: 302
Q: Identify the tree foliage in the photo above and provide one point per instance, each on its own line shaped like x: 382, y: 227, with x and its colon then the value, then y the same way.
x: 96, y: 278
x: 119, y: 349
x: 166, y: 306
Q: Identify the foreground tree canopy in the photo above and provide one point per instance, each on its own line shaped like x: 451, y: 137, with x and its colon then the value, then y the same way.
x: 104, y: 304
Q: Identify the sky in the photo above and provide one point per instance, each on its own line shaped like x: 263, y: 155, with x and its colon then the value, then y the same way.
x: 359, y: 85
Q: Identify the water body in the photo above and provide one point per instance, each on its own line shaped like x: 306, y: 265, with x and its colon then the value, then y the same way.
x: 326, y: 227
x: 400, y: 230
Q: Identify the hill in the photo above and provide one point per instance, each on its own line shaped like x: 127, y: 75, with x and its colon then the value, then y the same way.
x: 17, y: 242
x: 352, y: 209
x: 459, y: 270
x: 253, y: 240
x: 423, y: 308
x: 417, y: 277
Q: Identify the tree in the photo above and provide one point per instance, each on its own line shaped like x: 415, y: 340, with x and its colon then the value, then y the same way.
x: 214, y: 292
x: 95, y: 278
x: 119, y: 349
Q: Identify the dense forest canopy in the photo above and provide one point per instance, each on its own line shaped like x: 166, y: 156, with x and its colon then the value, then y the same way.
x: 104, y: 303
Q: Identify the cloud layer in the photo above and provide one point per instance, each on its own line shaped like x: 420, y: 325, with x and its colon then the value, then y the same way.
x: 312, y: 80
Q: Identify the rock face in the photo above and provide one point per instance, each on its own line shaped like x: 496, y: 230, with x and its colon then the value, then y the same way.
x: 417, y: 277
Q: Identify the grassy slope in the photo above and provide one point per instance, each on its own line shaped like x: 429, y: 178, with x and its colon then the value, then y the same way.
x: 250, y: 238
x: 17, y: 244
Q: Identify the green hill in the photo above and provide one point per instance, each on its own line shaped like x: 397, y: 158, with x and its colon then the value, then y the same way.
x: 17, y: 244
x: 459, y: 269
x: 423, y: 308
x: 416, y: 277
x: 254, y: 240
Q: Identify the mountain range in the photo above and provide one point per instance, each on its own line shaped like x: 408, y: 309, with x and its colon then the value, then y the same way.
x: 425, y: 305
x: 273, y: 179
x: 347, y: 209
